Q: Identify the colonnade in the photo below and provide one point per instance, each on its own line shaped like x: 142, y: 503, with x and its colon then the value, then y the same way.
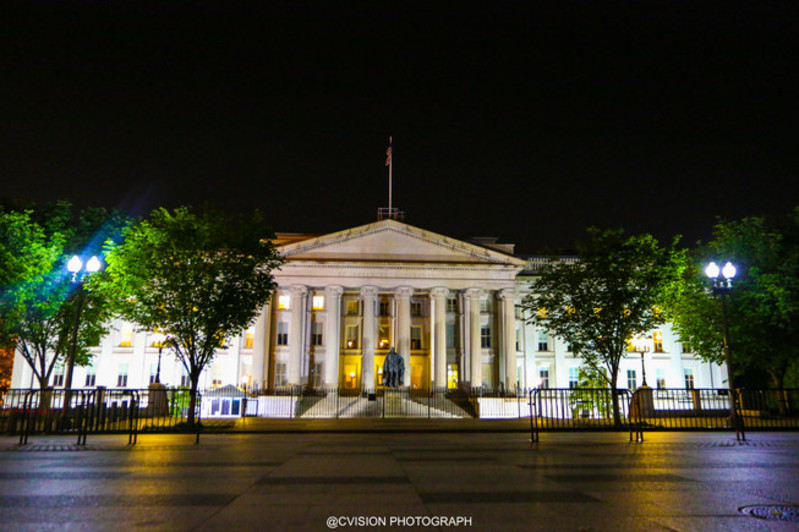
x: 470, y: 355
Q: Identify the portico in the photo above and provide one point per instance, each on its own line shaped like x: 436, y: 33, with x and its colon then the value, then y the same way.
x: 446, y: 306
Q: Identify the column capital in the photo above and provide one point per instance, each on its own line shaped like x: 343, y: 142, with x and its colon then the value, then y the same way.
x: 439, y: 292
x: 403, y: 291
x: 298, y: 289
x: 474, y: 293
x: 368, y: 292
x: 507, y: 293
x: 333, y: 290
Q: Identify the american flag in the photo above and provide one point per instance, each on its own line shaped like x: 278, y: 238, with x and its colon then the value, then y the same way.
x: 388, y: 156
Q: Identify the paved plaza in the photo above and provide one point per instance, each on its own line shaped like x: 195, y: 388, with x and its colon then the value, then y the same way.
x: 321, y: 480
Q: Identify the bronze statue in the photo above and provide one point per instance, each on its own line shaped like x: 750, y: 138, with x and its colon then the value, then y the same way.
x: 393, y: 369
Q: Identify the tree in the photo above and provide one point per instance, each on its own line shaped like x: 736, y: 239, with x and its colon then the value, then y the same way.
x: 764, y: 301
x: 26, y: 253
x: 196, y: 277
x: 611, y: 293
x: 43, y: 314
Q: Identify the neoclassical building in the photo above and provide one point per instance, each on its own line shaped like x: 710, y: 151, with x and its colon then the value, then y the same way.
x: 448, y: 307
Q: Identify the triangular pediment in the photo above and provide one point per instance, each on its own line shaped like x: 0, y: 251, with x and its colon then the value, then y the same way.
x: 393, y: 241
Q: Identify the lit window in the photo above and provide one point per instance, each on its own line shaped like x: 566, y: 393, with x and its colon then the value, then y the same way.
x: 573, y: 379
x: 126, y: 335
x: 382, y: 336
x: 657, y: 339
x: 284, y: 302
x: 156, y: 338
x: 543, y: 342
x: 660, y: 378
x: 452, y: 304
x: 281, y: 374
x: 689, y: 378
x: 318, y: 373
x: 122, y: 376
x: 249, y: 338
x: 632, y: 383
x: 318, y: 302
x: 352, y: 337
x: 352, y: 308
x: 543, y: 375
x: 282, y: 333
x: 450, y: 334
x: 58, y: 376
x: 316, y: 333
x: 485, y: 336
x: 452, y: 376
x: 416, y: 337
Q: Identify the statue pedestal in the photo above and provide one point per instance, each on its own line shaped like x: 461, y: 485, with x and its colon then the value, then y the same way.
x: 392, y: 402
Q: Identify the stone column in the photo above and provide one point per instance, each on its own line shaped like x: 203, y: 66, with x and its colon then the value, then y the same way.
x: 332, y: 331
x: 296, y: 333
x: 403, y: 297
x: 465, y: 354
x: 473, y: 295
x: 438, y: 350
x: 368, y: 337
x: 508, y: 355
x: 261, y: 348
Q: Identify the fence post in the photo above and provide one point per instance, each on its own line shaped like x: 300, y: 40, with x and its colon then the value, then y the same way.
x: 740, y: 434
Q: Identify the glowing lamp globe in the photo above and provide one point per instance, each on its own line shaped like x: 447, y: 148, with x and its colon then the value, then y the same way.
x: 74, y: 265
x: 712, y: 270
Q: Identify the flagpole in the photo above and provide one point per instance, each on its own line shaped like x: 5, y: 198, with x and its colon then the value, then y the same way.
x: 390, y: 167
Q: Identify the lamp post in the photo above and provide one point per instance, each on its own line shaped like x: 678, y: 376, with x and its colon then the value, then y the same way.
x: 641, y: 345
x: 158, y: 339
x: 722, y: 287
x: 79, y: 271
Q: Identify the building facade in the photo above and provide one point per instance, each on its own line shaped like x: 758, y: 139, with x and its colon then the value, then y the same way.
x: 450, y: 308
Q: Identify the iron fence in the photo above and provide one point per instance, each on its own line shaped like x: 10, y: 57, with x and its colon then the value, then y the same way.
x: 303, y: 402
x: 96, y: 411
x: 770, y: 409
x: 684, y: 409
x: 571, y: 409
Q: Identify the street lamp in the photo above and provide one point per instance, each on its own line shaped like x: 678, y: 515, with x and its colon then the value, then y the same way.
x: 641, y: 345
x: 79, y: 271
x: 722, y: 288
x: 158, y: 340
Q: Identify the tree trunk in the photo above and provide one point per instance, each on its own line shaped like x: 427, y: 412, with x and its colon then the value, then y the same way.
x: 614, y: 396
x: 782, y: 397
x: 192, y: 401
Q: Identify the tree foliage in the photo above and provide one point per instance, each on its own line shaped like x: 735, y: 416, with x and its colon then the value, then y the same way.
x: 39, y: 304
x: 611, y: 293
x: 197, y: 277
x: 763, y: 304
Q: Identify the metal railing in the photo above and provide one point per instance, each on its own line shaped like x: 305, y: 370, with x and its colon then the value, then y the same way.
x: 303, y: 402
x: 647, y: 409
x: 96, y: 411
x: 680, y: 409
x: 571, y: 409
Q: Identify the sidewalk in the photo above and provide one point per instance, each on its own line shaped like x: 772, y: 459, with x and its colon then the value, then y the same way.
x: 323, y: 479
x: 380, y: 425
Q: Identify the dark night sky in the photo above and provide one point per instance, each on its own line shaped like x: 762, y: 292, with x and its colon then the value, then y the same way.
x: 523, y: 120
